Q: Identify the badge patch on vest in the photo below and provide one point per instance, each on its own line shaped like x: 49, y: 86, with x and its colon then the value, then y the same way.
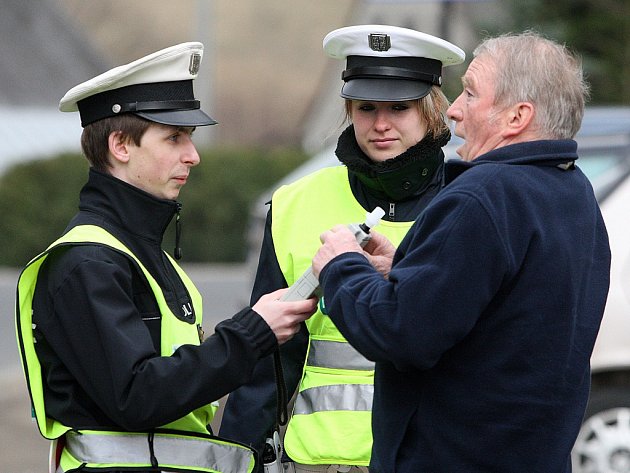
x: 187, y: 311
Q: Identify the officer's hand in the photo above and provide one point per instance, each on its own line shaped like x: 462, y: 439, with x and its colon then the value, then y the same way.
x: 284, y: 317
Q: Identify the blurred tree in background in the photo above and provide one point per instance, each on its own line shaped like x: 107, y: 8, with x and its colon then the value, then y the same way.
x: 599, y: 30
x: 218, y: 197
x: 38, y: 198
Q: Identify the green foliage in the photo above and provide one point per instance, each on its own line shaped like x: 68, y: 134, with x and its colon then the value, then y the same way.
x: 38, y: 198
x: 599, y: 30
x: 218, y: 196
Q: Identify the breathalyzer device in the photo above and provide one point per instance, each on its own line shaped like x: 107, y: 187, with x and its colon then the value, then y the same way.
x: 307, y: 285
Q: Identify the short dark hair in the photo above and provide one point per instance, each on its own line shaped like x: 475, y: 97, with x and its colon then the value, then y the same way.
x: 95, y: 137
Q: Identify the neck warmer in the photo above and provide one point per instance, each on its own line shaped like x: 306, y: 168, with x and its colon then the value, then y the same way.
x: 398, y: 178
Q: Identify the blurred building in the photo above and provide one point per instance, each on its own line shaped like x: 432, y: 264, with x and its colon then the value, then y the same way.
x: 264, y: 75
x: 41, y: 52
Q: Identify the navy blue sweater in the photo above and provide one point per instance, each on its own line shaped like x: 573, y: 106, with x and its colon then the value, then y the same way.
x: 483, y: 333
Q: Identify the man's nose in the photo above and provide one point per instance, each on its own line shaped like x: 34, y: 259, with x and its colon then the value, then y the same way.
x: 454, y: 111
x: 191, y: 156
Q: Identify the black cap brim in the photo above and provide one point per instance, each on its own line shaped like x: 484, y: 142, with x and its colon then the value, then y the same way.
x: 385, y: 90
x: 179, y: 117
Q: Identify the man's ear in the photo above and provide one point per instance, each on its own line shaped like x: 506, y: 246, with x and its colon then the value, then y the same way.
x: 518, y: 119
x: 118, y: 146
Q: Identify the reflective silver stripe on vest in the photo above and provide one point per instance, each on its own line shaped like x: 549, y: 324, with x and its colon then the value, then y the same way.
x: 337, y: 355
x: 335, y: 397
x: 183, y: 452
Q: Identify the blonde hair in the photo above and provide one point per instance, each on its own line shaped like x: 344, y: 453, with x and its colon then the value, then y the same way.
x: 432, y: 109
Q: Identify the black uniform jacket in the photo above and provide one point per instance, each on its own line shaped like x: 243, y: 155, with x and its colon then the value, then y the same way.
x: 97, y: 324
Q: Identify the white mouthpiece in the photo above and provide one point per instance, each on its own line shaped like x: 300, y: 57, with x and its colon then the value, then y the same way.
x: 372, y: 218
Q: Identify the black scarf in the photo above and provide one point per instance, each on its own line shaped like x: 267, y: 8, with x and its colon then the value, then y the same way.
x: 399, y: 178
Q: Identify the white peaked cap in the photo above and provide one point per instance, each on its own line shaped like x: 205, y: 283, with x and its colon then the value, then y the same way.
x: 390, y: 63
x: 157, y: 87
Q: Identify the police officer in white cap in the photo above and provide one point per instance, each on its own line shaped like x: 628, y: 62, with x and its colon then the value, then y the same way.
x: 109, y: 325
x: 392, y: 158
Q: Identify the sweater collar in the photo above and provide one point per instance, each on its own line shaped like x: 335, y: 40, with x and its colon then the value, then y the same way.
x: 127, y: 207
x: 398, y: 178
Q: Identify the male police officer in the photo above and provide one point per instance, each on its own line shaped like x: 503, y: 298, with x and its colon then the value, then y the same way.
x: 108, y: 324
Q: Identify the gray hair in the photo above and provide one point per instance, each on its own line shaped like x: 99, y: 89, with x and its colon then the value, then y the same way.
x: 534, y: 69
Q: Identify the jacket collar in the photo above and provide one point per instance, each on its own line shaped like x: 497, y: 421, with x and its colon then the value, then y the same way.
x: 558, y: 153
x: 130, y: 209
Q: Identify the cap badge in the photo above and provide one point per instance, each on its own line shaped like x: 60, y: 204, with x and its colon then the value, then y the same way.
x: 379, y: 42
x: 195, y: 61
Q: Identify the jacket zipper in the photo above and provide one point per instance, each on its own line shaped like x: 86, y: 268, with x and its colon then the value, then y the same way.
x: 177, y: 253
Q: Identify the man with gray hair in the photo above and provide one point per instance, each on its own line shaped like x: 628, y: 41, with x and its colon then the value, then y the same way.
x: 483, y: 329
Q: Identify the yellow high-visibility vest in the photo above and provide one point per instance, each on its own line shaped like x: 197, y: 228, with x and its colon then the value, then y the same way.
x: 331, y: 418
x: 184, y: 443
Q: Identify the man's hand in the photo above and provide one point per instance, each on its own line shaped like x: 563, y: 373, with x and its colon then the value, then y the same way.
x: 336, y: 241
x: 380, y: 251
x: 284, y: 317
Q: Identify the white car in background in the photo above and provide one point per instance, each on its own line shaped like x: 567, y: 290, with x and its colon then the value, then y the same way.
x: 603, y: 444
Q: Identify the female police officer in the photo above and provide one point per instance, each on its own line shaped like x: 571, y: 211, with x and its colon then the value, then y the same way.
x: 392, y: 159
